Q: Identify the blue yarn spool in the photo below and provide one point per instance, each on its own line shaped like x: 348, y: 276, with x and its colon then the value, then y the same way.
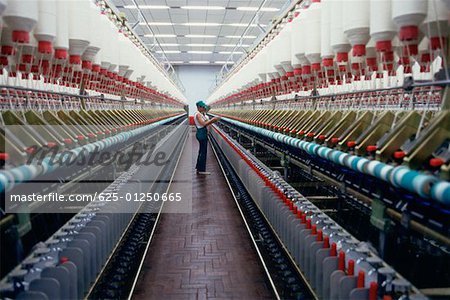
x: 413, y: 181
x: 335, y: 156
x: 399, y: 176
x: 441, y: 192
x: 312, y: 149
x: 3, y: 181
x: 361, y: 166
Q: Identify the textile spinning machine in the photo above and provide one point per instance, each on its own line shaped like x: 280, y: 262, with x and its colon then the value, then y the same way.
x: 338, y: 124
x: 83, y: 103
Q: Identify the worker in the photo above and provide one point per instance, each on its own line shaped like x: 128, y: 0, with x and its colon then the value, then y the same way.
x: 202, y: 121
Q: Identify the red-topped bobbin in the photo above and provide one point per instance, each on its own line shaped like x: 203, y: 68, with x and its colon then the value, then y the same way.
x: 361, y: 276
x: 410, y: 50
x: 75, y: 59
x: 21, y: 37
x: 51, y: 144
x: 308, y: 223
x: 96, y: 68
x: 383, y: 46
x: 342, y: 57
x: 7, y: 50
x: 4, y: 60
x: 306, y: 70
x: 319, y: 235
x: 373, y: 292
x: 86, y: 64
x: 63, y: 259
x: 399, y: 154
x: 436, y: 162
x: 371, y: 62
x: 327, y: 62
x: 4, y: 156
x: 45, y: 47
x: 61, y: 54
x: 27, y: 58
x: 333, y: 249
x: 315, y: 67
x: 409, y: 33
x: 359, y: 50
x: 351, y: 144
x: 438, y: 42
x: 351, y: 268
x: 341, y: 261
x: 371, y: 148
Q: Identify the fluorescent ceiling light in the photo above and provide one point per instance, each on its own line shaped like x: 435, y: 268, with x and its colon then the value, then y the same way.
x: 224, y: 62
x: 200, y: 7
x: 169, y: 45
x: 199, y: 52
x: 241, y: 25
x: 233, y: 45
x: 157, y: 23
x: 200, y: 45
x: 147, y: 6
x: 201, y: 24
x: 229, y: 52
x: 199, y: 62
x: 246, y: 8
x: 238, y: 36
x: 165, y: 35
x: 168, y: 51
x: 199, y: 36
x: 177, y: 62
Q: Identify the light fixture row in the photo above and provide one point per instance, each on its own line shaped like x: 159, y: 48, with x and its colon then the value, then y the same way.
x: 199, y: 24
x: 202, y: 7
x: 196, y: 52
x: 198, y: 36
x: 202, y: 45
x: 202, y: 62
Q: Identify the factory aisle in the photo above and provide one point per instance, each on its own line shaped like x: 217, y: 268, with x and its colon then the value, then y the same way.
x: 204, y: 254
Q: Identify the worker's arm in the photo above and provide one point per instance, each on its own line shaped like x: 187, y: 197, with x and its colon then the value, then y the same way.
x: 204, y: 123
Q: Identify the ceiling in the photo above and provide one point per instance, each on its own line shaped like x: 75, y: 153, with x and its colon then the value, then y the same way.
x: 199, y: 31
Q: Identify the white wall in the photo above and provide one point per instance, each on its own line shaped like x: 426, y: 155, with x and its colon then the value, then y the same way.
x: 197, y: 81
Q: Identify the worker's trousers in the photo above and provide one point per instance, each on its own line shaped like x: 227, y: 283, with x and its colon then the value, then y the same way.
x: 202, y: 137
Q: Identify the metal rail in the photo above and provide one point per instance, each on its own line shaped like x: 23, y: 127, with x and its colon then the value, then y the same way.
x: 30, y: 93
x: 432, y: 88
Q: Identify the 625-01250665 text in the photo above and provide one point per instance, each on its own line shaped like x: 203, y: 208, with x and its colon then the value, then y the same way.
x: 101, y: 197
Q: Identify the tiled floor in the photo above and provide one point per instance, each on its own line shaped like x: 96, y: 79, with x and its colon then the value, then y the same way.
x: 206, y: 254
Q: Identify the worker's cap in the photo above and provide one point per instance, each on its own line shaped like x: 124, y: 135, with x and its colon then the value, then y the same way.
x: 201, y: 104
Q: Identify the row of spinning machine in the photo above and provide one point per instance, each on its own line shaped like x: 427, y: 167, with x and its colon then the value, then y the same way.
x: 77, y: 87
x: 349, y: 100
